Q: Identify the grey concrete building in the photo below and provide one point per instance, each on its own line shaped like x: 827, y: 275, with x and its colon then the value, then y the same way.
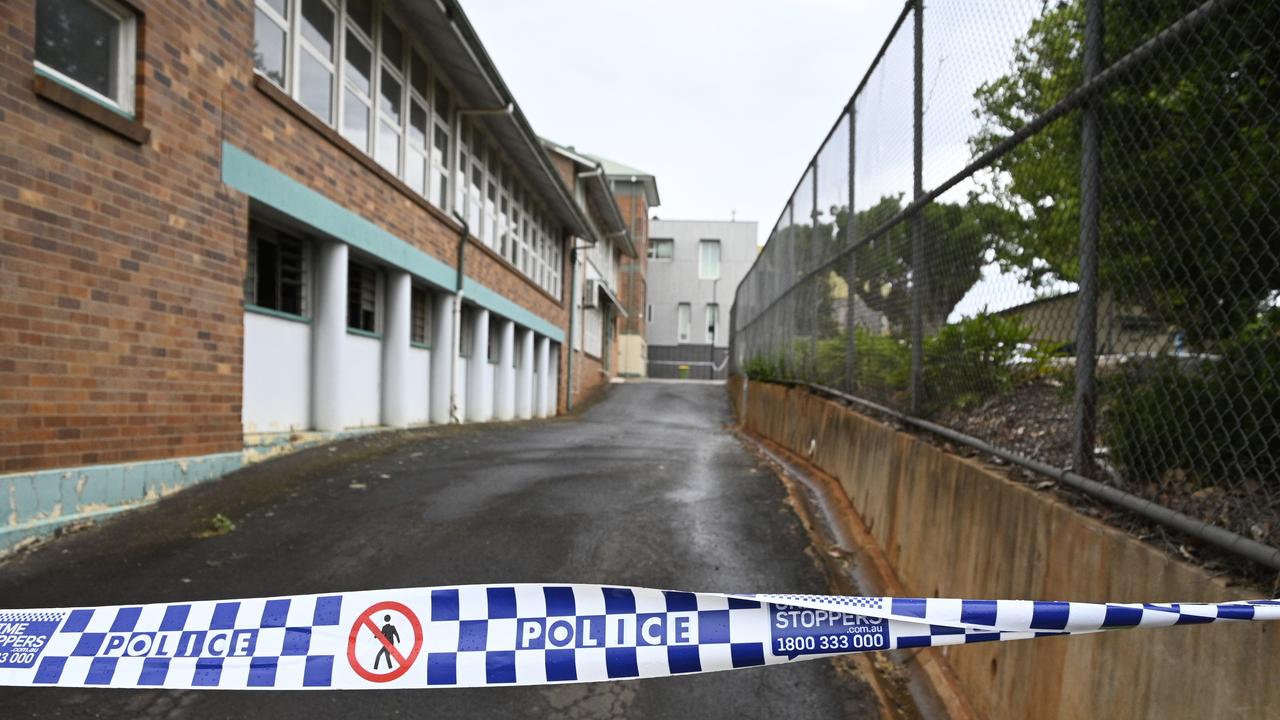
x: 694, y: 268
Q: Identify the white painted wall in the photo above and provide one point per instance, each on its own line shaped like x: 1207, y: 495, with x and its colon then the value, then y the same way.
x: 361, y: 383
x: 417, y: 384
x: 277, y: 374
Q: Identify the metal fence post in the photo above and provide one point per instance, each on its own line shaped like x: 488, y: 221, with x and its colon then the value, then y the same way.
x: 850, y: 340
x: 1086, y: 394
x: 814, y: 255
x: 917, y: 220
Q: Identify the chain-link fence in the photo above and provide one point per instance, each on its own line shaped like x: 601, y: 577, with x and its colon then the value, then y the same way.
x: 1051, y: 228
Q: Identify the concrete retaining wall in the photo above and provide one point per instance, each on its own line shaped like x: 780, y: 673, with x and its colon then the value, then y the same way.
x: 953, y: 527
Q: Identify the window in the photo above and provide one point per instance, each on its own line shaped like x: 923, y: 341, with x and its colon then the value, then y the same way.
x: 420, y: 309
x: 713, y: 322
x: 89, y: 44
x: 682, y: 322
x: 357, y: 87
x: 362, y: 297
x: 661, y: 249
x: 277, y: 271
x: 464, y: 332
x: 495, y: 340
x: 390, y: 97
x: 315, y: 58
x: 709, y: 259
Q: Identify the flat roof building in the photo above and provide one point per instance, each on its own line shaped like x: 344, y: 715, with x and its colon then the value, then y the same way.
x: 694, y: 269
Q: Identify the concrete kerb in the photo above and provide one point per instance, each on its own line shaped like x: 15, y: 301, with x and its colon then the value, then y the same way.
x: 857, y: 565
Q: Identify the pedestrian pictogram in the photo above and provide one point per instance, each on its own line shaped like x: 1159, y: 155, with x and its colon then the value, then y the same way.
x: 379, y: 639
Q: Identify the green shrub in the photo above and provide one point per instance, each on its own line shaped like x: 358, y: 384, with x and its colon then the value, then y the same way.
x: 977, y: 357
x: 1214, y: 417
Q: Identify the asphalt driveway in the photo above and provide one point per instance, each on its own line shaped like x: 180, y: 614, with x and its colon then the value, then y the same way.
x: 645, y: 488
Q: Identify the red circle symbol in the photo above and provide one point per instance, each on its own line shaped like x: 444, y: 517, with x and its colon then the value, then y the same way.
x: 402, y: 662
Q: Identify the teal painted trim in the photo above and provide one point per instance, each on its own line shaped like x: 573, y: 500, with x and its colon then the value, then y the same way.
x: 364, y: 333
x: 268, y: 185
x: 420, y: 346
x: 259, y: 310
x: 55, y: 77
x: 42, y: 501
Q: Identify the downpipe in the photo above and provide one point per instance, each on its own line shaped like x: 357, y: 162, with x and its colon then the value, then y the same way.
x: 456, y: 335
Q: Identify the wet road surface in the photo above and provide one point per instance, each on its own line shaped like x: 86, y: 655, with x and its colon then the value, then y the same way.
x: 646, y: 488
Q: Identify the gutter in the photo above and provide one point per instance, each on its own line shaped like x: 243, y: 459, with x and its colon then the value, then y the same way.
x: 456, y: 339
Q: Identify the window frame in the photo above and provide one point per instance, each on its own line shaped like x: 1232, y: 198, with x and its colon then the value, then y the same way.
x: 684, y: 322
x: 655, y: 243
x: 126, y: 61
x: 711, y: 323
x: 352, y: 265
x: 424, y: 328
x: 259, y: 231
x: 702, y: 258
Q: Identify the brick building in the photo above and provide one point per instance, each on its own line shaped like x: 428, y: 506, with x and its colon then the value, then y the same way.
x: 242, y: 223
x: 636, y: 193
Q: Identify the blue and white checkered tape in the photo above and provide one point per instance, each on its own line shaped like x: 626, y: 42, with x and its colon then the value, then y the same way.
x: 481, y: 635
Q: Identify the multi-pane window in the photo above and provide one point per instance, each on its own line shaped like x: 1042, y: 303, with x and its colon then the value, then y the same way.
x: 390, y: 96
x: 709, y: 259
x: 417, y: 152
x: 683, y: 321
x: 353, y: 65
x: 277, y: 277
x: 362, y: 297
x: 420, y: 309
x: 661, y: 249
x: 89, y: 44
x: 316, y: 50
x: 713, y: 322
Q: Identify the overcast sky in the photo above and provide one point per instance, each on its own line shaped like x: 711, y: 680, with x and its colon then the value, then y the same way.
x: 692, y: 91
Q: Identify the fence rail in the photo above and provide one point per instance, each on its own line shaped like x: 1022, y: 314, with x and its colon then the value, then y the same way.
x: 1052, y: 228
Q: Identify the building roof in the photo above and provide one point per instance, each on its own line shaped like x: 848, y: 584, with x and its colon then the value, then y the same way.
x: 618, y: 171
x: 599, y: 195
x: 444, y: 27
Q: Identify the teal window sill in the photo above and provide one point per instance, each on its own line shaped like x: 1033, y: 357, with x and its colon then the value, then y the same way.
x: 62, y: 81
x: 259, y: 310
x: 420, y: 346
x: 364, y: 333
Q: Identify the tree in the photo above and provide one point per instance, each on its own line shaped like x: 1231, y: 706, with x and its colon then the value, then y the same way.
x: 1191, y: 200
x: 958, y: 239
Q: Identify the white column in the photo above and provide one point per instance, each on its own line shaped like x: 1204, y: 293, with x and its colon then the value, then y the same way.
x: 442, y: 356
x: 505, y: 380
x: 543, y: 391
x: 328, y: 333
x: 524, y: 376
x: 479, y: 397
x: 395, y: 350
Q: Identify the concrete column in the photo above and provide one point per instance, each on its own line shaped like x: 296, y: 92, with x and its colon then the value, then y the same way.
x: 479, y: 387
x: 505, y: 375
x: 328, y: 334
x: 524, y: 376
x: 395, y: 349
x: 442, y: 356
x: 543, y: 391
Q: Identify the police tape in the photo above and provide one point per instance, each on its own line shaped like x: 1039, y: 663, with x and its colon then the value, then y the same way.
x: 493, y: 635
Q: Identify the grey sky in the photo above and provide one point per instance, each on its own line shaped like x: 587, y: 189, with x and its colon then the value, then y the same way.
x: 723, y: 100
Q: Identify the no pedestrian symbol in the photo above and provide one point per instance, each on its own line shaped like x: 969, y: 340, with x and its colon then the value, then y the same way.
x: 378, y: 641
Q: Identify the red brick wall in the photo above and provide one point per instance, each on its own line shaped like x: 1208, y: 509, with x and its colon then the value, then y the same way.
x: 121, y: 264
x: 631, y: 278
x: 588, y: 378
